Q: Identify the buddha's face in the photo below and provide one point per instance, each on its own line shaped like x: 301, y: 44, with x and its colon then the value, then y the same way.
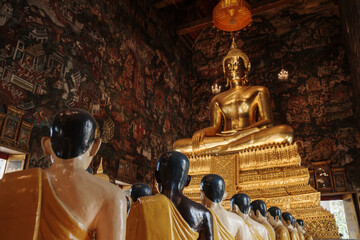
x: 234, y: 68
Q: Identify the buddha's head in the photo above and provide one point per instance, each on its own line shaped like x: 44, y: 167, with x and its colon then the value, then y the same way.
x: 236, y: 65
x: 212, y: 187
x: 240, y: 201
x: 139, y: 190
x: 172, y: 171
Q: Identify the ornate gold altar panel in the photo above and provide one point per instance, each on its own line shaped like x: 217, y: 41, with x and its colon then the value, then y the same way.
x: 272, y: 174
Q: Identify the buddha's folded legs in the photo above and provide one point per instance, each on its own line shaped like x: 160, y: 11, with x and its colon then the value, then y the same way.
x: 223, y: 143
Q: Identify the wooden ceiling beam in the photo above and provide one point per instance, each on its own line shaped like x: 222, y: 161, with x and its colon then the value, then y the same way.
x: 206, y: 22
x: 195, y: 25
x: 165, y: 3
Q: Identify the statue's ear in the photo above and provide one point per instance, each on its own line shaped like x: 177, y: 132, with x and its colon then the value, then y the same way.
x: 157, y: 177
x: 235, y: 208
x: 46, y: 145
x: 258, y: 213
x: 224, y: 197
x: 95, y: 147
x: 188, y: 180
x: 276, y: 218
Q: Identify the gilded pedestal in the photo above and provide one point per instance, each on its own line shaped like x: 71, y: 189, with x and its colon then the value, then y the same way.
x: 271, y: 173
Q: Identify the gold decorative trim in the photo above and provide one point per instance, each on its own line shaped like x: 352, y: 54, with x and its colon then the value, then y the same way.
x: 271, y: 173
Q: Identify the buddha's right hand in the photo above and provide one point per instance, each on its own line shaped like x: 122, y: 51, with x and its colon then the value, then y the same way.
x: 198, y: 138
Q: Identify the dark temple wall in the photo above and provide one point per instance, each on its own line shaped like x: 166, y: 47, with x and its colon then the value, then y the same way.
x: 115, y: 59
x: 316, y: 100
x: 350, y: 16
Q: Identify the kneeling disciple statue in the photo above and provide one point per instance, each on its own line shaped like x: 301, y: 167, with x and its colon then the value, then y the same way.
x: 212, y: 190
x: 258, y: 213
x: 300, y: 227
x: 170, y: 215
x: 244, y: 111
x: 63, y: 201
x: 287, y: 220
x: 240, y: 204
x: 274, y: 218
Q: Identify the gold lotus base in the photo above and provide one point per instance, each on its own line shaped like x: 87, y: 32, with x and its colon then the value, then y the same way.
x: 271, y: 173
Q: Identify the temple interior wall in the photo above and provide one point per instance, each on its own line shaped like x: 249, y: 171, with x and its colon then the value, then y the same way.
x: 122, y: 62
x: 350, y: 16
x: 116, y: 59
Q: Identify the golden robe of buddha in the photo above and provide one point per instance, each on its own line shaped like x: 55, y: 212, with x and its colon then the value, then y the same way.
x: 244, y: 111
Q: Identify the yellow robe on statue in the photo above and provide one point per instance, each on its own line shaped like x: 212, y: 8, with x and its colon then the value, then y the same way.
x: 301, y: 236
x: 254, y: 233
x: 30, y: 209
x: 294, y: 235
x: 270, y: 231
x: 156, y: 218
x: 219, y: 229
x: 282, y: 233
x: 308, y: 237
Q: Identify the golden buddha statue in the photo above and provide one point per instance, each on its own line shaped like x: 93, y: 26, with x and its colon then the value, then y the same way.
x: 245, y: 111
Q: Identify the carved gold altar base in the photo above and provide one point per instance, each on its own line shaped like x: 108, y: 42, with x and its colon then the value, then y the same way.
x: 273, y: 174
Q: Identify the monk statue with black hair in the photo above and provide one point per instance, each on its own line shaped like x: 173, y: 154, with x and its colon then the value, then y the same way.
x: 274, y: 218
x: 229, y: 225
x: 287, y: 220
x: 63, y: 201
x: 258, y: 213
x: 139, y: 190
x: 170, y: 215
x: 300, y: 227
x: 240, y: 204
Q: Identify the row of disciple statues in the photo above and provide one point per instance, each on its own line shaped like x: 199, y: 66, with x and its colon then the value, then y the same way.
x: 209, y: 220
x: 66, y: 202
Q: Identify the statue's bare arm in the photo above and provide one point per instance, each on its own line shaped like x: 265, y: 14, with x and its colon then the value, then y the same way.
x: 208, y: 226
x: 263, y: 104
x: 215, y: 125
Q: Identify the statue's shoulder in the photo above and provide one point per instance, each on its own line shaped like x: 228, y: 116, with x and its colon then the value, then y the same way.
x: 107, y: 189
x: 217, y: 98
x: 236, y: 218
x: 195, y: 207
x: 259, y: 89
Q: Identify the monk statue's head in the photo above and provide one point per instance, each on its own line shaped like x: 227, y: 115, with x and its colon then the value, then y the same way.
x: 300, y: 225
x: 287, y: 219
x: 258, y: 207
x: 240, y: 202
x: 274, y: 216
x: 172, y: 171
x: 293, y: 222
x: 139, y: 190
x: 236, y: 66
x: 73, y: 134
x: 212, y: 187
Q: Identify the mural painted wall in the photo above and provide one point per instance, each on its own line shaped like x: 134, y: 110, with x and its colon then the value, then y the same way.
x: 115, y: 59
x: 315, y: 100
x: 350, y: 16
